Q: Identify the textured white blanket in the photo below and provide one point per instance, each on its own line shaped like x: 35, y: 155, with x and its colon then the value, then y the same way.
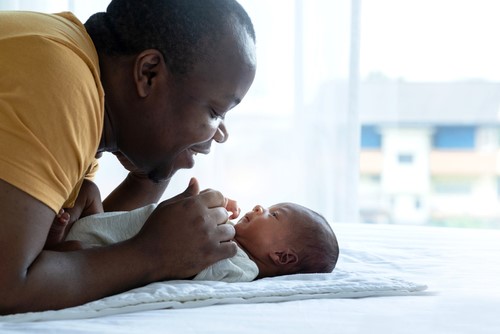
x: 186, y: 294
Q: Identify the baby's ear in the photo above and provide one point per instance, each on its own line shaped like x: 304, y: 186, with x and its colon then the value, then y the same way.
x: 281, y: 258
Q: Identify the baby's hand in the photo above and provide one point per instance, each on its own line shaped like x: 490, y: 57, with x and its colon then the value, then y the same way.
x: 233, y: 208
x: 57, y: 231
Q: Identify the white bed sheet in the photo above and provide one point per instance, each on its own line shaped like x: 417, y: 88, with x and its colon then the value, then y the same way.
x: 460, y: 266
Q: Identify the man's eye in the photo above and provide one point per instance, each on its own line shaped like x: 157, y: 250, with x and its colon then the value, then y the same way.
x: 274, y: 214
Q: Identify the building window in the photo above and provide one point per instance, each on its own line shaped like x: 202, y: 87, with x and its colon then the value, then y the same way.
x: 370, y: 137
x: 405, y: 158
x: 454, y: 137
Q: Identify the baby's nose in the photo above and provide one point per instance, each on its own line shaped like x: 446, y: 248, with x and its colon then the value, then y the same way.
x: 258, y: 209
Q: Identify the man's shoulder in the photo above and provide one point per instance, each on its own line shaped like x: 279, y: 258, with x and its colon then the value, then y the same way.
x: 53, y: 36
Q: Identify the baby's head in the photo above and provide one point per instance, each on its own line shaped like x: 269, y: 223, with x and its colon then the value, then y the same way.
x: 287, y: 238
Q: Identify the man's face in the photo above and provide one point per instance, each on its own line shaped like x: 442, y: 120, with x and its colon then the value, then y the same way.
x: 188, y: 112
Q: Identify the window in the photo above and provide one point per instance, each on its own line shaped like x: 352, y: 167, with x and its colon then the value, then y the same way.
x: 405, y: 158
x: 454, y: 137
x: 436, y: 106
x: 370, y: 137
x: 327, y: 66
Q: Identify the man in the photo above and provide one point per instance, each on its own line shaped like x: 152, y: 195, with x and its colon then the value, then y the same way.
x: 151, y: 82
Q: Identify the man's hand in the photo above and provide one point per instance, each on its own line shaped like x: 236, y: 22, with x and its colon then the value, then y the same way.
x: 230, y: 205
x: 193, y: 231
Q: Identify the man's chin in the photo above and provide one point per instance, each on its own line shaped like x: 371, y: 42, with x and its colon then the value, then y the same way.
x: 165, y: 172
x: 160, y: 175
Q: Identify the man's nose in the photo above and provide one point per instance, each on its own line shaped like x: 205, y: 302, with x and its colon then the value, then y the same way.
x: 221, y: 134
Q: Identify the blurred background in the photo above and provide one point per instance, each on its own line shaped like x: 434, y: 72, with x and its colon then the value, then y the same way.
x: 372, y: 111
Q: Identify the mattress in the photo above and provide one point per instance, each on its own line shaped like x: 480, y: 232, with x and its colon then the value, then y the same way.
x: 459, y: 267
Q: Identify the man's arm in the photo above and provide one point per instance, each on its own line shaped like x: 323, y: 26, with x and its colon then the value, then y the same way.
x: 33, y: 279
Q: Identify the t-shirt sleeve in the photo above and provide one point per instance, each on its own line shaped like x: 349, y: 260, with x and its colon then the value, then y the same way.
x: 50, y: 117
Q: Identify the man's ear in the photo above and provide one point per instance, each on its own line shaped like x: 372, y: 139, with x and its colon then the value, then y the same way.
x: 281, y: 258
x: 148, y: 65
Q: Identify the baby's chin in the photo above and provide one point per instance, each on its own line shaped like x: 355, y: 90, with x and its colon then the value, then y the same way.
x: 237, y: 228
x: 239, y: 231
x: 235, y: 239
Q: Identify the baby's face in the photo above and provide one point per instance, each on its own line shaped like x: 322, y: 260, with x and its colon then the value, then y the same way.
x: 262, y: 230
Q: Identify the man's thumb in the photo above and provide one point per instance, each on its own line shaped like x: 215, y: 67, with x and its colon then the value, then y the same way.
x: 193, y: 187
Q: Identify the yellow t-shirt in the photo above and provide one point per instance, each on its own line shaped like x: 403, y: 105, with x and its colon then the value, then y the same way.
x: 51, y: 105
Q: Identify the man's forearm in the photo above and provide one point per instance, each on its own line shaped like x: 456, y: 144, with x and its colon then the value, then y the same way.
x: 63, y: 279
x: 134, y: 192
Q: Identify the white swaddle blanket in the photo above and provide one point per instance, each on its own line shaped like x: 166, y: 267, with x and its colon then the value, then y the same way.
x: 111, y: 227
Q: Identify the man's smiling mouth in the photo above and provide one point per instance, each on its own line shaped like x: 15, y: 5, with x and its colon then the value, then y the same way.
x: 200, y: 151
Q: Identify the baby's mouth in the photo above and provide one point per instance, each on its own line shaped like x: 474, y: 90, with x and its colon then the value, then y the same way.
x: 244, y: 219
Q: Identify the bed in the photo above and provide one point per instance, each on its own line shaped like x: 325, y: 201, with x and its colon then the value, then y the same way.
x: 450, y: 286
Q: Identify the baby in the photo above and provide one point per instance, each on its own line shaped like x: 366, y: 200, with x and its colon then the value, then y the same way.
x: 283, y: 239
